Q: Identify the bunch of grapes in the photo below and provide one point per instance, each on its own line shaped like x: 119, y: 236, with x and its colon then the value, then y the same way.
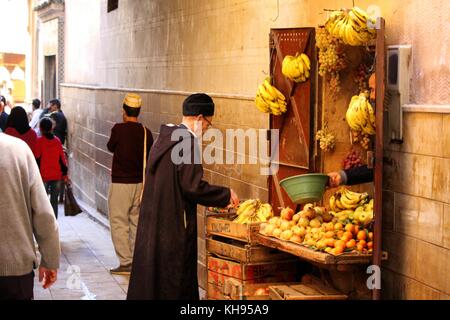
x: 334, y: 84
x: 327, y: 140
x: 353, y: 160
x: 331, y: 53
x: 331, y: 59
x: 361, y: 77
x: 362, y: 138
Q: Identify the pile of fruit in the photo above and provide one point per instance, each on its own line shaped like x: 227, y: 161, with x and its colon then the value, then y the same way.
x: 361, y: 115
x: 351, y: 26
x: 353, y: 160
x: 320, y: 230
x: 297, y: 68
x: 253, y: 211
x: 352, y: 207
x: 270, y: 100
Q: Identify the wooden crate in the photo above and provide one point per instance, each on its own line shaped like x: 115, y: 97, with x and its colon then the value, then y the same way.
x: 215, y: 293
x: 242, y: 252
x: 222, y: 225
x: 251, y: 271
x: 310, y: 291
x: 233, y: 289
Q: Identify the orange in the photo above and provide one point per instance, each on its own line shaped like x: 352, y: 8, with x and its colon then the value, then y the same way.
x: 338, y: 226
x: 329, y: 242
x: 370, y: 245
x: 359, y: 247
x: 338, y: 250
x: 347, y: 236
x: 350, y: 228
x: 370, y: 236
x: 356, y: 229
x: 329, y: 234
x: 361, y: 235
x: 340, y: 244
x: 363, y: 243
x: 351, y: 244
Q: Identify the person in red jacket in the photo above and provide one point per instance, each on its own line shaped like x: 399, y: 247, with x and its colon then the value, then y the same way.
x: 51, y: 160
x: 18, y: 127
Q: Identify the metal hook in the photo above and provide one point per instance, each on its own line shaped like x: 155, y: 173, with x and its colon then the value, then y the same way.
x: 278, y: 11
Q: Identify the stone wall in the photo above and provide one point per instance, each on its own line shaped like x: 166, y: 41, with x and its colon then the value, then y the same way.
x: 417, y: 210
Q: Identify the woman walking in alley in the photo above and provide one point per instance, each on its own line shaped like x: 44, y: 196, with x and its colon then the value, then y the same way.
x: 17, y: 126
x: 52, y: 161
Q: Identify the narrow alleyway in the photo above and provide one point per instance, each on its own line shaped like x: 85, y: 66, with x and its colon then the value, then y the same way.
x: 87, y: 255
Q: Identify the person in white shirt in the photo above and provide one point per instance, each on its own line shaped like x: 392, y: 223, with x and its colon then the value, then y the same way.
x: 37, y: 111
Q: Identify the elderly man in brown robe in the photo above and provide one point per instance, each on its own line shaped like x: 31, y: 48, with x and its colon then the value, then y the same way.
x: 165, y: 261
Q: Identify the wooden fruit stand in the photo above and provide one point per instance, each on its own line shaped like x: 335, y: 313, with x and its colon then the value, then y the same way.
x: 310, y: 108
x: 239, y: 258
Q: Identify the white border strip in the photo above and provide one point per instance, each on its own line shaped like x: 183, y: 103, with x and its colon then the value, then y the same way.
x: 427, y: 108
x: 160, y: 91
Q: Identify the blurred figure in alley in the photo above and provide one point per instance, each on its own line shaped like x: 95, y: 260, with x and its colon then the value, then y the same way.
x: 3, y: 114
x: 52, y: 161
x: 24, y: 212
x: 17, y: 126
x: 36, y: 115
x: 58, y: 116
x: 130, y: 142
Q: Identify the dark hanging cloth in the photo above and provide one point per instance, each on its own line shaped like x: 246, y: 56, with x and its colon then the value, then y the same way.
x: 165, y: 257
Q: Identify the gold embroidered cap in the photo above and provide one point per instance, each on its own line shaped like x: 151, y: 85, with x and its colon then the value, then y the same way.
x: 133, y: 100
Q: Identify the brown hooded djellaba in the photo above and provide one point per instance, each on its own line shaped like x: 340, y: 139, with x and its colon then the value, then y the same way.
x: 165, y: 257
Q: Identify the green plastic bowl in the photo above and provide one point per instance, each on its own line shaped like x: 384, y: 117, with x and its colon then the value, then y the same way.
x: 305, y: 188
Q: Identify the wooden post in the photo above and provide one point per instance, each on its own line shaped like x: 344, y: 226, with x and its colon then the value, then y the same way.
x: 380, y: 93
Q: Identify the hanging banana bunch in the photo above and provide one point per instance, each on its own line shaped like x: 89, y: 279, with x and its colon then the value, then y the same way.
x: 297, y: 68
x: 351, y: 26
x: 270, y: 100
x: 361, y: 115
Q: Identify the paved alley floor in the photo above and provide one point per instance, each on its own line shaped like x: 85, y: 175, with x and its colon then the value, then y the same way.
x: 87, y: 255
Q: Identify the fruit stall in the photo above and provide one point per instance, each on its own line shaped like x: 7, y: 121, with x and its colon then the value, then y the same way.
x: 325, y: 95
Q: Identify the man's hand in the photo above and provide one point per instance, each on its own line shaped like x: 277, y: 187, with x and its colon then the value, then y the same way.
x: 335, y: 179
x: 234, y: 200
x: 47, y: 277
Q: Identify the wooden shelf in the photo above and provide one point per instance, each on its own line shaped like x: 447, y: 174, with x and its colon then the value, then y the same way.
x: 310, y: 255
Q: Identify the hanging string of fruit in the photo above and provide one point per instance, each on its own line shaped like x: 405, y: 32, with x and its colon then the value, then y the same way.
x: 361, y: 77
x: 270, y: 100
x: 332, y: 59
x: 326, y: 139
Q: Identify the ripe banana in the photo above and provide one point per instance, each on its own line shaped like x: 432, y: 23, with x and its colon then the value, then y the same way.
x: 252, y: 211
x: 351, y: 26
x: 360, y: 115
x: 297, y: 68
x: 270, y: 99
